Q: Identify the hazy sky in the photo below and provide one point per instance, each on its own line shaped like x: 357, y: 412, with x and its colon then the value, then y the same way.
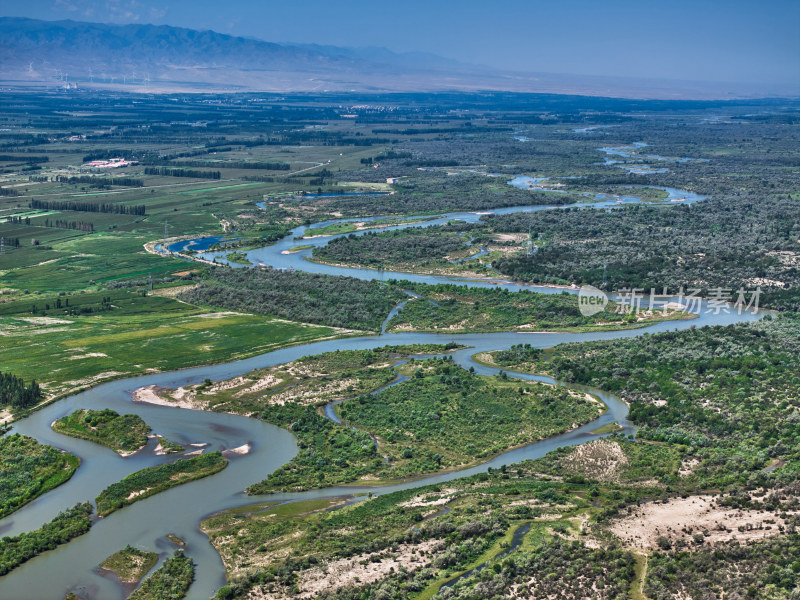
x: 753, y: 41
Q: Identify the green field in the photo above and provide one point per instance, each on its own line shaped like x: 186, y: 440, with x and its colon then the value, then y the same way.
x: 129, y: 335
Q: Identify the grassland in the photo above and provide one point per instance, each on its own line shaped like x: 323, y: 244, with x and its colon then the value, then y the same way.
x: 130, y: 564
x: 153, y: 480
x: 29, y: 469
x: 124, y: 434
x: 130, y: 334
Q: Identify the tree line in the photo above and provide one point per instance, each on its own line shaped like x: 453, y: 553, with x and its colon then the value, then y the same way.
x: 105, y: 207
x: 236, y: 164
x: 28, y: 159
x: 167, y: 172
x: 100, y: 182
x: 15, y: 393
x: 64, y: 224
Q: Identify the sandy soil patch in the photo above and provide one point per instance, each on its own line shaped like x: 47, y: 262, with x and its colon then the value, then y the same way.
x: 510, y: 237
x: 173, y: 291
x: 239, y: 450
x: 45, y: 321
x: 6, y: 416
x: 93, y: 379
x: 599, y: 459
x: 763, y: 281
x: 305, y: 395
x: 687, y: 466
x: 135, y: 493
x: 435, y: 499
x: 682, y: 518
x: 149, y: 394
x: 262, y: 383
x: 339, y: 573
x: 89, y: 355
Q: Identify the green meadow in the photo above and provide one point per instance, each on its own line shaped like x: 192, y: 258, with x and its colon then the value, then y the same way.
x: 131, y: 334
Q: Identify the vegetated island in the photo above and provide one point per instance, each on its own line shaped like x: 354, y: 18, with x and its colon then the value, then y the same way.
x: 130, y: 564
x: 66, y: 525
x: 124, y: 434
x: 170, y: 582
x: 153, y: 480
x: 167, y: 447
x: 29, y: 469
x: 437, y: 417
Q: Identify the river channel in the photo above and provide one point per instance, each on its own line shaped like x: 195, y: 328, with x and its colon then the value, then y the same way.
x: 72, y: 567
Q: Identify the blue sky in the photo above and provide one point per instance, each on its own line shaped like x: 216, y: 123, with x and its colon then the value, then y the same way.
x: 700, y: 40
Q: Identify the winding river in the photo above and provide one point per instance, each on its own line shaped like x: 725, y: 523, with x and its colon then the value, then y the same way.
x: 72, y: 567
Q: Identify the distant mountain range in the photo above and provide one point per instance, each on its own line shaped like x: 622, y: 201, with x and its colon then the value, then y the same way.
x: 160, y: 58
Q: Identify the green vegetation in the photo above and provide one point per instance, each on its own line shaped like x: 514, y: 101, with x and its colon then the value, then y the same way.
x: 240, y: 258
x: 130, y: 564
x: 766, y: 569
x: 292, y: 395
x: 716, y: 408
x: 353, y: 226
x: 170, y: 582
x: 66, y: 525
x: 153, y: 480
x: 413, y: 541
x: 322, y: 299
x: 402, y: 249
x: 460, y: 309
x: 729, y: 394
x: 124, y: 434
x: 134, y: 334
x: 29, y: 469
x: 675, y: 245
x: 169, y: 447
x: 301, y: 247
x: 434, y: 191
x: 15, y: 393
x: 443, y: 418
